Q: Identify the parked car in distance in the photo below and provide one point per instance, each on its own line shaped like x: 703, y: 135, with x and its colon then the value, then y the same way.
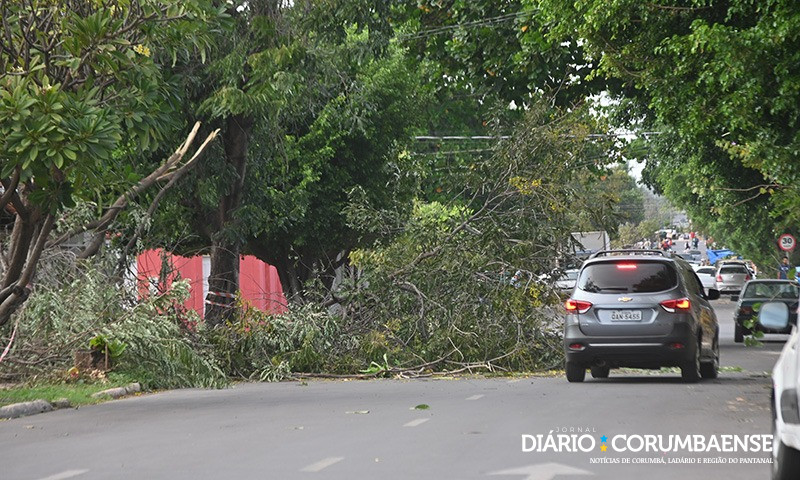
x: 747, y: 263
x: 785, y: 392
x: 697, y: 255
x: 707, y: 275
x: 757, y: 292
x: 566, y: 282
x: 640, y: 309
x: 731, y: 277
x: 688, y: 258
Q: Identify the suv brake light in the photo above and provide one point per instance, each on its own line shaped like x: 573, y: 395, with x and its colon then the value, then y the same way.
x: 577, y: 306
x: 719, y: 278
x: 676, y: 305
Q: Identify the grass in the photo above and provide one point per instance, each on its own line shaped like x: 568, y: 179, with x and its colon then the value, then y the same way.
x: 77, y: 393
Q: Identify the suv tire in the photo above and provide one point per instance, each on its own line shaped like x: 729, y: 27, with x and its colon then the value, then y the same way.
x: 710, y: 370
x: 601, y: 371
x: 575, y: 373
x: 690, y: 371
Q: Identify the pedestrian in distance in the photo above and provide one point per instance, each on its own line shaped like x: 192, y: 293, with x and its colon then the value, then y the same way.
x: 783, y: 269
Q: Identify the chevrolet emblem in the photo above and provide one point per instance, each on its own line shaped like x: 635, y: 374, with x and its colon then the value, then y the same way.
x: 624, y: 299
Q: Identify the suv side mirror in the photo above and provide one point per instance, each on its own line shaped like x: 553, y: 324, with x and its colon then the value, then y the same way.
x: 713, y: 294
x: 774, y: 315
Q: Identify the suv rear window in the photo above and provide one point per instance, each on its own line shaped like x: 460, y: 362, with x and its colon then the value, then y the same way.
x: 628, y: 276
x: 733, y: 269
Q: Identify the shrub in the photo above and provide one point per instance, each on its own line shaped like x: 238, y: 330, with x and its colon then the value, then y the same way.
x: 91, y: 306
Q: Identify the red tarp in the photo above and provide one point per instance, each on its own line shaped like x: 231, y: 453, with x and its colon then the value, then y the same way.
x: 258, y: 281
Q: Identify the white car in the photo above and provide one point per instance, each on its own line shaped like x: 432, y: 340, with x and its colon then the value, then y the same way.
x: 566, y: 282
x: 785, y: 383
x: 707, y: 275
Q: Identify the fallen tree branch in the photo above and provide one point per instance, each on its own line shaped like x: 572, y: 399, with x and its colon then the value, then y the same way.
x: 165, y: 171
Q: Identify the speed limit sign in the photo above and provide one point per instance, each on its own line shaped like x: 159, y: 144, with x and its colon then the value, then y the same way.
x: 787, y: 242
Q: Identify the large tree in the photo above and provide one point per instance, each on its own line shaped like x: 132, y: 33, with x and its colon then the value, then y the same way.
x: 719, y: 80
x: 311, y: 102
x: 81, y: 95
x: 495, y: 48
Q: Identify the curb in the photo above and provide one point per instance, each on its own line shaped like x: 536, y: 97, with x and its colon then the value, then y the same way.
x: 119, y: 391
x: 26, y: 408
x: 34, y: 407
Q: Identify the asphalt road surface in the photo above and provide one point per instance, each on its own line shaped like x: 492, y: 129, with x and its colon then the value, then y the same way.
x: 474, y: 428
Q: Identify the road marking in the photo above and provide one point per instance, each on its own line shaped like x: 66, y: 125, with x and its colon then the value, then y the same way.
x: 543, y: 471
x: 414, y: 423
x: 322, y: 464
x: 475, y: 397
x: 64, y: 475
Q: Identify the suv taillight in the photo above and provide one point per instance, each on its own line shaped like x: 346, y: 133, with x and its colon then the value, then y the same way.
x: 747, y: 277
x: 676, y: 305
x: 719, y: 278
x: 577, y: 306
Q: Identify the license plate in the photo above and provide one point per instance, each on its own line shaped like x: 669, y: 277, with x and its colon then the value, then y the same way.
x: 626, y: 315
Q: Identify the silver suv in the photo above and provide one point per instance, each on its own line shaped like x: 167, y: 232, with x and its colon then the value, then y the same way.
x: 640, y: 309
x: 731, y: 276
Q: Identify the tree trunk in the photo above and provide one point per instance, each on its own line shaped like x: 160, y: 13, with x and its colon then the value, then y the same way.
x: 223, y: 281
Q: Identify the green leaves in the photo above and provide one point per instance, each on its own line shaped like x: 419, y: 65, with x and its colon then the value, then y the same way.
x: 720, y: 81
x: 80, y: 83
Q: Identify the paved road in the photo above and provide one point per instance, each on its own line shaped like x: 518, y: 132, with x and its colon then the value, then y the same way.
x: 473, y: 429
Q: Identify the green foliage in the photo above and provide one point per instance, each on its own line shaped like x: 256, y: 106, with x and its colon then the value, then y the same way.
x: 755, y: 336
x: 158, y: 350
x: 719, y: 81
x: 458, y: 283
x: 329, y: 116
x: 101, y: 344
x: 88, y: 307
x: 377, y: 368
x: 80, y: 84
x: 78, y: 393
x: 259, y: 346
x: 494, y: 47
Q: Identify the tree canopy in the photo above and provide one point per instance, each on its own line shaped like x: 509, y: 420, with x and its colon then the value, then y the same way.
x: 718, y: 80
x: 81, y: 94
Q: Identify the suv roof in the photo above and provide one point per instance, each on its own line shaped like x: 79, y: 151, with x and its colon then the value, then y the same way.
x: 637, y: 254
x: 731, y: 262
x: 633, y: 252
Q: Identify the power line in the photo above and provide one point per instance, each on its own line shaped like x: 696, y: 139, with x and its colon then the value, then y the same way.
x: 454, y: 152
x: 476, y: 23
x: 461, y: 137
x: 423, y: 138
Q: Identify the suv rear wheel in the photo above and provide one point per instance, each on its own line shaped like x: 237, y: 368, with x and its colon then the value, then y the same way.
x: 690, y: 371
x: 710, y: 369
x: 575, y: 373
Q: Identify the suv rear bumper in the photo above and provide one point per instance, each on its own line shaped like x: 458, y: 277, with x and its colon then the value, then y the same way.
x: 732, y: 289
x: 634, y: 352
